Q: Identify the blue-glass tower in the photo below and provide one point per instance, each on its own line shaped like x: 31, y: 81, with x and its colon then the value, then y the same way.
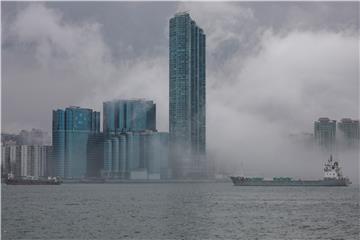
x: 71, y: 130
x: 126, y: 122
x: 129, y: 115
x: 187, y: 92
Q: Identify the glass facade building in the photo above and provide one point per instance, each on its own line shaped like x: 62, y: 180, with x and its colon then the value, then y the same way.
x: 132, y: 147
x: 95, y: 154
x: 71, y: 130
x: 187, y: 92
x: 145, y: 152
x: 128, y: 115
x: 157, y: 153
x: 325, y: 133
x: 350, y: 131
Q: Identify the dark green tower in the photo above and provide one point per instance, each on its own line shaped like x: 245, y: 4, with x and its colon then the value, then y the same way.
x: 187, y: 92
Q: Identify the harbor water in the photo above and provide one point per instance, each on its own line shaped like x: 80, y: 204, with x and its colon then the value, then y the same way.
x: 178, y: 211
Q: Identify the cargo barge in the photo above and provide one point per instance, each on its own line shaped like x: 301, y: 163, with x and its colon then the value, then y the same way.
x: 29, y: 180
x: 332, y: 177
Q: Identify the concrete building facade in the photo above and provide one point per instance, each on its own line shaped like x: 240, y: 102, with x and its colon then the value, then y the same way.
x: 26, y: 160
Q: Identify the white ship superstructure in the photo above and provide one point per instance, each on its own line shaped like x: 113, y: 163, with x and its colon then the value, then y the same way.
x: 332, y: 169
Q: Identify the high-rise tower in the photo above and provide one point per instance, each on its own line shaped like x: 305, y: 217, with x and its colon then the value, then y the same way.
x: 187, y: 92
x: 71, y: 130
x: 350, y: 131
x: 325, y: 133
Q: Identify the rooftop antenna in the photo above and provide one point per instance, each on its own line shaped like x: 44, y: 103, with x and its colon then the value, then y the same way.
x: 242, y: 169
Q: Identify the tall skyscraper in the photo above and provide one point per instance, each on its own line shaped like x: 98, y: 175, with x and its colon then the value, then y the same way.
x: 325, y: 133
x: 71, y: 130
x: 187, y: 92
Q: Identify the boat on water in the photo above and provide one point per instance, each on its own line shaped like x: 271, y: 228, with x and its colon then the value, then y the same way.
x: 332, y: 177
x: 30, y: 180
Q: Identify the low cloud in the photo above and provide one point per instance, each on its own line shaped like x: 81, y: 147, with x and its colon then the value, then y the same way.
x: 262, y: 85
x: 70, y: 64
x: 257, y: 99
x: 291, y: 82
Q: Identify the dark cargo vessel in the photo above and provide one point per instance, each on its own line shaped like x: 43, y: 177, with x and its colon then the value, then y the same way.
x: 332, y: 178
x: 11, y: 180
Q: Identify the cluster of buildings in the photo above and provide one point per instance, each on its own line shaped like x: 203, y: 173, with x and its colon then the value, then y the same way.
x: 28, y: 153
x: 133, y: 148
x: 129, y: 146
x: 25, y: 137
x: 26, y: 160
x: 326, y: 135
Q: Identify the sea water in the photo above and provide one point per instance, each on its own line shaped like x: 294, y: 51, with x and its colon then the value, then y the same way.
x: 178, y: 211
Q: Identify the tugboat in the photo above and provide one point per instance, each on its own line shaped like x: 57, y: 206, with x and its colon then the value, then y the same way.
x: 332, y: 177
x: 29, y: 180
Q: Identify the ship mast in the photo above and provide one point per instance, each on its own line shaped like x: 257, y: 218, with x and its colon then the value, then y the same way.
x: 242, y: 169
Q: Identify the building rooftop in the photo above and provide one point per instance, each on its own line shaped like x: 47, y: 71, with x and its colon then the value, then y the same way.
x: 182, y: 13
x: 324, y: 119
x: 349, y: 120
x: 129, y: 99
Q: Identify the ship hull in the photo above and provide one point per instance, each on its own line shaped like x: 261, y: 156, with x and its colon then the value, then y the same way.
x: 293, y: 183
x: 31, y: 182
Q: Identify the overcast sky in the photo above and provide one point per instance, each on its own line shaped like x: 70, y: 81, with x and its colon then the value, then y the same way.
x: 272, y: 68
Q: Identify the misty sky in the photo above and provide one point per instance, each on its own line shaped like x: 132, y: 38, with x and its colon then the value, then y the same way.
x: 272, y: 69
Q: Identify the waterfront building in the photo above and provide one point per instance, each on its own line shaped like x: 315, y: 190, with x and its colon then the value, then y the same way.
x: 157, y: 153
x: 40, y: 158
x: 122, y: 156
x: 136, y: 155
x: 325, y: 133
x: 26, y: 160
x: 5, y: 160
x: 350, y: 131
x: 50, y: 165
x: 187, y: 93
x: 15, y: 160
x: 95, y: 155
x: 107, y: 170
x: 129, y: 149
x: 129, y: 152
x: 128, y: 115
x: 71, y: 130
x: 36, y: 158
